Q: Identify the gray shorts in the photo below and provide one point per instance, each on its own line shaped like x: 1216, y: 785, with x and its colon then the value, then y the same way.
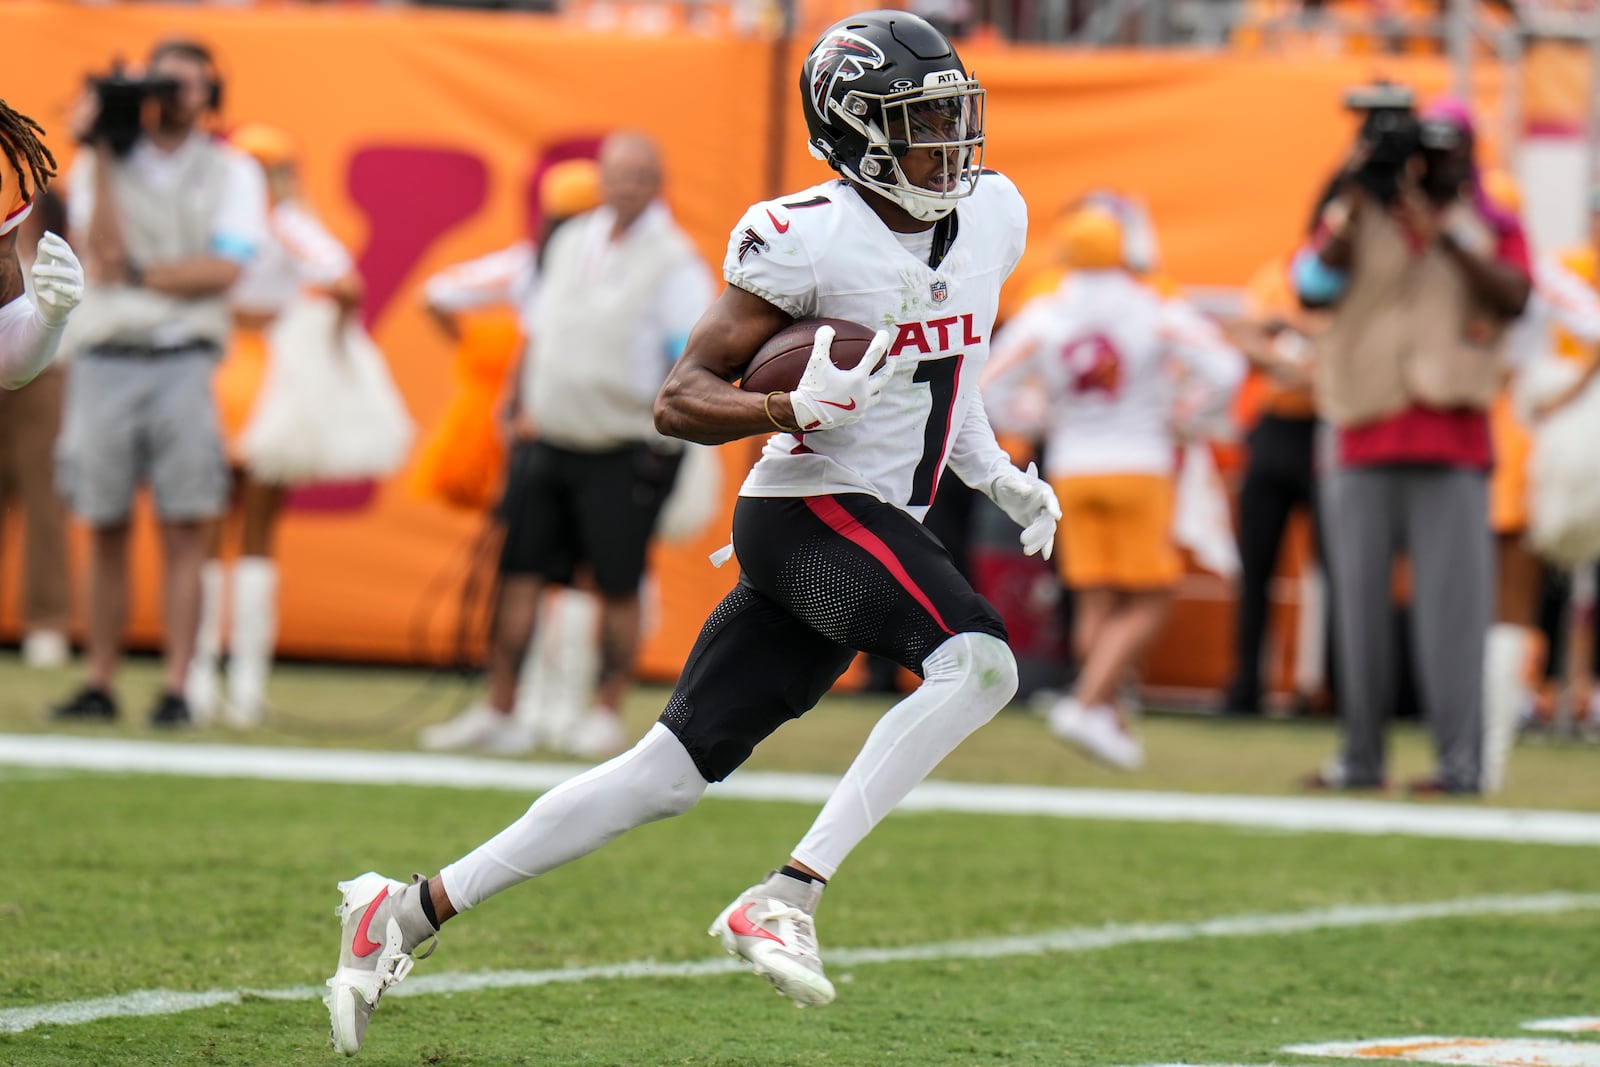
x: 130, y: 421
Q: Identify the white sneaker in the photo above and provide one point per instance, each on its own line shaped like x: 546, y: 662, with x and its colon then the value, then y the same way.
x: 769, y: 926
x: 376, y: 951
x: 1098, y: 731
x: 45, y: 649
x: 597, y: 735
x: 473, y: 728
x: 511, y: 737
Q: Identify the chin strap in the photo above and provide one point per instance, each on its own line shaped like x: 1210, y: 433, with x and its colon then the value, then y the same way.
x: 944, y: 235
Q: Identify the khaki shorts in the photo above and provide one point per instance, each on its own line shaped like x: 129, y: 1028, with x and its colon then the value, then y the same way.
x: 132, y: 421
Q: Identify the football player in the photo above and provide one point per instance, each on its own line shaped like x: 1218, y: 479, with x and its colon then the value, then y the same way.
x: 914, y: 239
x: 30, y: 327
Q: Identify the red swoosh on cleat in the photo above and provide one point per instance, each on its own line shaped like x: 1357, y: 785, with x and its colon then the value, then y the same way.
x: 835, y: 404
x: 739, y: 922
x: 781, y: 227
x: 361, y: 945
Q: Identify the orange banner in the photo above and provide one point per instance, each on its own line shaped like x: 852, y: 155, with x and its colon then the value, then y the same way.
x: 424, y: 130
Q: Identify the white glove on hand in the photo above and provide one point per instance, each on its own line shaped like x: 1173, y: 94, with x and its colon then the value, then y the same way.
x: 57, y: 279
x: 1031, y: 504
x: 829, y: 397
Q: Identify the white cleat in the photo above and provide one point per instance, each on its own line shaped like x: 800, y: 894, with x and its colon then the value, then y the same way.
x: 778, y: 938
x: 477, y: 727
x: 598, y: 734
x: 1098, y: 731
x: 372, y: 957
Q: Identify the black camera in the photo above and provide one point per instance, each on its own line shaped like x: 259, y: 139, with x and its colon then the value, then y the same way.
x: 123, y: 101
x: 1392, y: 135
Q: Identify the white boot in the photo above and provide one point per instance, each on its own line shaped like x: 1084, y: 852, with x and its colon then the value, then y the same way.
x: 1505, y: 654
x: 200, y: 686
x: 562, y: 664
x: 255, y: 628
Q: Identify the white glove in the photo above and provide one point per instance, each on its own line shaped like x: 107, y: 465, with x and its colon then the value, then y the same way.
x: 57, y: 279
x: 1031, y: 504
x: 829, y: 397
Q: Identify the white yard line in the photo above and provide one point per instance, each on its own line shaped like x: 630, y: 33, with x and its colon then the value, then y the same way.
x: 1077, y: 939
x: 1295, y: 814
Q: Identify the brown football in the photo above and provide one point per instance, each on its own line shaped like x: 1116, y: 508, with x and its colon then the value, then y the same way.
x: 781, y: 361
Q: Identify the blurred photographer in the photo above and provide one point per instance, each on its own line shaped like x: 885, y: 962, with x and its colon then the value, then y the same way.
x: 165, y: 215
x: 1422, y: 275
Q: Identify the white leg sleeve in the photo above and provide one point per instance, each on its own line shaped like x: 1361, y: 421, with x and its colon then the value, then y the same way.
x: 965, y: 681
x: 200, y: 687
x: 27, y: 342
x: 652, y: 780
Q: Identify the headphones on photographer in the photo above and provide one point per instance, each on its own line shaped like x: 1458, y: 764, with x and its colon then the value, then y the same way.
x: 188, y: 49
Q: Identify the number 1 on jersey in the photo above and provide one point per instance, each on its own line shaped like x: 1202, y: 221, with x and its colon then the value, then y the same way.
x: 942, y: 376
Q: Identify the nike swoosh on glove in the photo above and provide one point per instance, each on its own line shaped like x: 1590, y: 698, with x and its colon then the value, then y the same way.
x: 57, y: 279
x: 827, y: 396
x: 1031, y: 504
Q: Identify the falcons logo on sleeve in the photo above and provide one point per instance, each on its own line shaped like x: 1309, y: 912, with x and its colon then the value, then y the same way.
x: 751, y: 243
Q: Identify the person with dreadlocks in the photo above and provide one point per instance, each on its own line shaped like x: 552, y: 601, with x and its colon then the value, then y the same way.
x: 30, y: 327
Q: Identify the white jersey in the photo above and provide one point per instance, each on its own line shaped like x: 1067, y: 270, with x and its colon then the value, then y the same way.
x: 1107, y: 352
x: 298, y: 252
x: 1559, y: 299
x: 824, y: 253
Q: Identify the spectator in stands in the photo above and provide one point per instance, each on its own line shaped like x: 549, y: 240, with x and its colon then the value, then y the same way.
x: 30, y: 421
x: 165, y: 218
x: 621, y: 286
x: 1105, y: 350
x: 1423, y: 275
x: 557, y: 676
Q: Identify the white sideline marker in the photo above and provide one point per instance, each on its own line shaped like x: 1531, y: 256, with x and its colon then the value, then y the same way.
x: 1075, y: 939
x: 1463, y: 1051
x: 1288, y: 814
x: 1578, y: 1024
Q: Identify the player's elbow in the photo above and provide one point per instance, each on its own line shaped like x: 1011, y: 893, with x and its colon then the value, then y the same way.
x: 668, y: 417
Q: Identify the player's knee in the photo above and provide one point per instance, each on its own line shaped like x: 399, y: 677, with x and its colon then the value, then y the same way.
x: 995, y: 668
x: 981, y: 662
x: 664, y: 779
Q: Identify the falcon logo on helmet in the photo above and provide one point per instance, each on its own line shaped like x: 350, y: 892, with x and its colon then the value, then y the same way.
x: 884, y: 84
x: 841, y: 56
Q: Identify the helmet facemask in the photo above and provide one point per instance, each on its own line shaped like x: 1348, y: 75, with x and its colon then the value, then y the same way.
x: 946, y: 121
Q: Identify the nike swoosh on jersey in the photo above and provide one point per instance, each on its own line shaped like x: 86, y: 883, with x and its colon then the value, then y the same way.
x: 781, y: 227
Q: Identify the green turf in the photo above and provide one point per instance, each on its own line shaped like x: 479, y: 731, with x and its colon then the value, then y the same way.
x: 140, y: 883
x: 116, y: 884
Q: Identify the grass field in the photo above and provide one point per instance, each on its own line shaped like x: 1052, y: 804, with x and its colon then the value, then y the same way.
x: 953, y: 938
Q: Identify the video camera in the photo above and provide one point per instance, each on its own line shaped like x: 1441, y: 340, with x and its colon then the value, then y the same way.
x: 123, y: 99
x: 1392, y: 135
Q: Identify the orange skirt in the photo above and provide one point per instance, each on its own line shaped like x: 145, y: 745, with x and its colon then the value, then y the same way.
x: 1508, y: 484
x: 237, y: 383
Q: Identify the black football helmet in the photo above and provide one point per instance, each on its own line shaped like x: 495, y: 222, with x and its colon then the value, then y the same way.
x: 879, y: 84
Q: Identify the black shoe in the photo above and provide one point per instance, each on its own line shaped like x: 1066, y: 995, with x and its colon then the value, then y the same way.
x: 88, y: 704
x: 171, y: 711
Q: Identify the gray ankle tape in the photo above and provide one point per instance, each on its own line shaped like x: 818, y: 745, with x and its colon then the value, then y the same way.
x: 803, y: 895
x: 414, y: 925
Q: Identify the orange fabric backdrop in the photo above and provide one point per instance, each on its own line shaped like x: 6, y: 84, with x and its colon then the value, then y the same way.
x: 422, y: 132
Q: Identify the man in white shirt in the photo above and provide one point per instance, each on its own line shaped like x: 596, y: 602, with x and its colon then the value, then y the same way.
x: 164, y: 227
x: 617, y: 292
x: 910, y: 241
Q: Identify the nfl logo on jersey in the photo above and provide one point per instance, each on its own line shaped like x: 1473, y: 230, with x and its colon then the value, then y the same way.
x: 939, y: 289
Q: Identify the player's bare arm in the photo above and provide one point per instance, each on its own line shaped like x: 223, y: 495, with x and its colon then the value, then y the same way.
x: 699, y: 401
x: 11, y: 285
